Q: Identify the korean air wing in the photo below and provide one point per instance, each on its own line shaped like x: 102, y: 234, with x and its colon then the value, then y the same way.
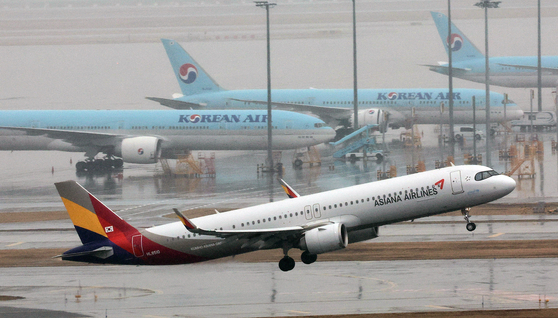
x: 144, y: 136
x: 384, y: 107
x: 315, y: 224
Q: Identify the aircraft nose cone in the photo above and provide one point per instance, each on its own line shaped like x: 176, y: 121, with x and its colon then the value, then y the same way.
x: 508, y: 184
x: 327, y: 134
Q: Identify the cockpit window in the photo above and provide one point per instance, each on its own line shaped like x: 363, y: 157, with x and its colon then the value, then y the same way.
x: 319, y: 125
x: 485, y: 175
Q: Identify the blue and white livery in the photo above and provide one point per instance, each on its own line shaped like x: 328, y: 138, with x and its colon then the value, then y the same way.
x: 396, y: 107
x: 509, y: 71
x: 143, y: 136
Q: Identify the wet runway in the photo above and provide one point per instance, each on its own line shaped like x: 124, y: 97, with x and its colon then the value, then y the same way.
x: 395, y: 40
x: 252, y: 290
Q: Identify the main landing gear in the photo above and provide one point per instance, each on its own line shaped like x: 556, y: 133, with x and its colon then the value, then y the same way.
x: 287, y: 263
x: 97, y: 165
x: 470, y: 225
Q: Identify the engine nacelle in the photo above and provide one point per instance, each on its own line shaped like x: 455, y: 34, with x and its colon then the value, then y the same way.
x: 372, y: 116
x: 325, y: 239
x: 363, y: 235
x: 141, y: 149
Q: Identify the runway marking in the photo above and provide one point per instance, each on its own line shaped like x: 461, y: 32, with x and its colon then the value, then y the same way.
x: 496, y: 235
x: 299, y: 312
x: 439, y: 307
x: 15, y: 244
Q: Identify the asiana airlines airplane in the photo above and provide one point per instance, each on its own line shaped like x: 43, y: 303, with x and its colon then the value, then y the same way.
x: 393, y: 107
x: 315, y: 224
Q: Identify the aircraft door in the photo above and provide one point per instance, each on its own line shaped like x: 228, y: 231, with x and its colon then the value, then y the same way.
x: 137, y: 245
x: 317, y: 212
x: 308, y: 212
x: 456, y: 185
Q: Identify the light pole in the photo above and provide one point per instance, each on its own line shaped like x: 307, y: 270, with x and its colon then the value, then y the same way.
x: 450, y: 83
x: 539, y: 67
x: 266, y: 5
x: 485, y: 4
x: 355, y: 88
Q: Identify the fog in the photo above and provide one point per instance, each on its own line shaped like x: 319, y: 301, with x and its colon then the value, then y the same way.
x: 108, y: 55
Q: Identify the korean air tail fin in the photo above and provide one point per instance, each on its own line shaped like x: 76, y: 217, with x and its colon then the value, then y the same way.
x: 462, y: 48
x: 191, y: 77
x: 93, y: 221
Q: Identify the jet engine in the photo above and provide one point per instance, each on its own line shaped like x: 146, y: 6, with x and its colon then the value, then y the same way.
x: 325, y: 239
x: 363, y: 235
x: 141, y: 149
x: 372, y: 116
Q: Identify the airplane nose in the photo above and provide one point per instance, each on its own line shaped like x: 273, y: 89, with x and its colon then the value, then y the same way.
x: 508, y: 184
x: 327, y: 134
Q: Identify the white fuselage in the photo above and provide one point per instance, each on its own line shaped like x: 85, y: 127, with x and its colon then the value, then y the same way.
x: 358, y: 207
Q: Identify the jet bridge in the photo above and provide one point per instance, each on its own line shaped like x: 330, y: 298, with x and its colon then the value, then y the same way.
x: 357, y: 141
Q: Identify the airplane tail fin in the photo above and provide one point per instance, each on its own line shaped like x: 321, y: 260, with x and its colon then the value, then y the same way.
x: 103, y: 233
x: 191, y: 77
x: 462, y: 48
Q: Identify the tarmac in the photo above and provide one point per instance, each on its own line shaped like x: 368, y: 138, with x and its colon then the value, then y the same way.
x: 81, y: 58
x: 261, y: 290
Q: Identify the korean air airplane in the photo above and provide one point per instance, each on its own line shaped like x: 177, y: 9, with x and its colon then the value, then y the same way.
x: 144, y: 136
x: 315, y: 224
x: 396, y: 107
x: 508, y: 71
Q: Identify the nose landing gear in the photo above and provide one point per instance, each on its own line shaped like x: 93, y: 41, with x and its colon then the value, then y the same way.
x: 470, y: 225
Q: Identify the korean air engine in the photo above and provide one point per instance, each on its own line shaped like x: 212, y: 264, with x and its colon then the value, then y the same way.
x: 141, y: 149
x: 325, y: 239
x: 372, y: 116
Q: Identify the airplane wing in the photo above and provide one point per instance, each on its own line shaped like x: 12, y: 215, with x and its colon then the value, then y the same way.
x: 177, y: 104
x: 260, y: 238
x: 534, y: 68
x: 74, y: 137
x: 327, y: 114
x: 462, y: 69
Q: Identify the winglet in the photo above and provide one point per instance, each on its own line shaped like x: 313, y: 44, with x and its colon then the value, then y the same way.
x: 187, y: 224
x: 290, y: 191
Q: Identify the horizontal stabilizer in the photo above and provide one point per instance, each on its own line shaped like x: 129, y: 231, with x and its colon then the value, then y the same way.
x: 103, y: 252
x: 177, y: 104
